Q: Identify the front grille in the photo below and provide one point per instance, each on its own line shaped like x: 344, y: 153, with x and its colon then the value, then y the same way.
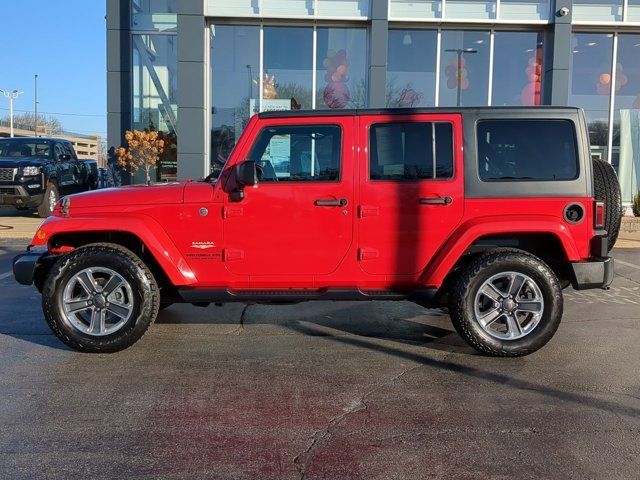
x: 7, y: 174
x: 7, y: 191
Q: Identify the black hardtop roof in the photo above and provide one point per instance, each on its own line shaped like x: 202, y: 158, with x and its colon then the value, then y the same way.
x: 37, y: 139
x: 414, y: 111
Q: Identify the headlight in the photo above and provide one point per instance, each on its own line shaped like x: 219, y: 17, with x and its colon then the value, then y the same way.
x: 30, y: 171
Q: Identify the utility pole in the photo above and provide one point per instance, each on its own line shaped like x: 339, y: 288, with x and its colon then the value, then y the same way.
x: 11, y: 95
x: 459, y: 52
x: 36, y: 108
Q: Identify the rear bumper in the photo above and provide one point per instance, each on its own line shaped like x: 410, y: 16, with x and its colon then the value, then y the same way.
x: 25, y: 265
x: 595, y: 273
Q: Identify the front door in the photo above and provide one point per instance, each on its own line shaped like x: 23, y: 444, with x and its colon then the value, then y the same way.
x: 411, y: 190
x: 298, y: 220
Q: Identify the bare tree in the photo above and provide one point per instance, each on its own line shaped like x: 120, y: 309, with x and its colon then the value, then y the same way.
x: 46, y: 125
x: 103, y: 155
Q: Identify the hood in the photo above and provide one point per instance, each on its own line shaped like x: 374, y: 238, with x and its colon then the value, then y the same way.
x: 17, y: 162
x: 163, y: 193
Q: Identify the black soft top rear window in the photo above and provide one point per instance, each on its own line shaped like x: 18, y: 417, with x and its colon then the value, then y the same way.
x: 527, y: 150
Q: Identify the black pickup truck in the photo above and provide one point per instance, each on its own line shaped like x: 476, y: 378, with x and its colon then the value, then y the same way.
x: 36, y: 172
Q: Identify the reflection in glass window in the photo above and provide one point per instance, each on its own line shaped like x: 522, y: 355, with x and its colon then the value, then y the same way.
x: 517, y: 68
x: 343, y: 8
x: 342, y: 68
x: 411, y: 70
x: 155, y: 93
x: 626, y: 128
x: 591, y: 85
x: 235, y: 77
x: 298, y: 153
x: 464, y: 68
x: 527, y: 150
x: 159, y: 15
x: 288, y: 68
x: 524, y: 10
x: 233, y: 8
x: 287, y: 8
x: 470, y: 9
x: 633, y: 11
x: 411, y: 151
x: 415, y: 9
x: 597, y: 10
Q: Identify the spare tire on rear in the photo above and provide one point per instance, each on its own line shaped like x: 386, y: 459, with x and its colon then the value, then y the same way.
x: 607, y: 190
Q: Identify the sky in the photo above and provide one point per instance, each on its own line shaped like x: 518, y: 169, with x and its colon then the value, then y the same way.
x: 64, y: 42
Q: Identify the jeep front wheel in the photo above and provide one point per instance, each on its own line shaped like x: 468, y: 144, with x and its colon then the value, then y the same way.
x: 100, y: 298
x: 506, y: 303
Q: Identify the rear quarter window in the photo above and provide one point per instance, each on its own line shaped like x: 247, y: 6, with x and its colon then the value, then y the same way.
x: 527, y: 150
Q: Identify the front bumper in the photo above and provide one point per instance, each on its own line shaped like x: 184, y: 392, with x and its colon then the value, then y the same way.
x: 18, y: 196
x: 26, y: 264
x: 595, y: 273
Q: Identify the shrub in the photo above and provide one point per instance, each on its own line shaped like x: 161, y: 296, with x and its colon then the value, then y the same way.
x: 635, y: 206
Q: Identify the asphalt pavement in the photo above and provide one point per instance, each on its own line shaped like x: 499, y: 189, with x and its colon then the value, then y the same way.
x: 322, y: 390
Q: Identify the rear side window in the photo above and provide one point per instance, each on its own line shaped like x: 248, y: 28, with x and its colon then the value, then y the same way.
x: 411, y: 151
x: 298, y: 153
x: 527, y: 150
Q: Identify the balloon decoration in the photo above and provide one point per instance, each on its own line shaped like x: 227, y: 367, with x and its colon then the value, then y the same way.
x: 451, y: 71
x: 336, y: 93
x: 532, y: 91
x: 269, y: 87
x: 604, y: 81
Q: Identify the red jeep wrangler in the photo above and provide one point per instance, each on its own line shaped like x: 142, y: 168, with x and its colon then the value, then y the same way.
x: 489, y: 211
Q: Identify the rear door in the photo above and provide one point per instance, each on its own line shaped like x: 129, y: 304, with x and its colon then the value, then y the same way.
x: 411, y: 190
x: 298, y: 220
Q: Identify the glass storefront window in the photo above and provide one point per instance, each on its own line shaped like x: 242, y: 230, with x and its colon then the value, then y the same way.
x: 524, y: 10
x: 597, y: 10
x: 470, y: 9
x: 155, y: 93
x: 288, y: 68
x: 235, y: 77
x: 591, y: 85
x: 415, y: 9
x: 464, y: 68
x: 287, y: 8
x: 517, y: 68
x: 626, y: 127
x: 155, y: 15
x: 411, y: 70
x: 633, y: 11
x: 341, y: 68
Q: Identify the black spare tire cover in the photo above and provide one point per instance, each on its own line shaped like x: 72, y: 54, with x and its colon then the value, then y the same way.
x: 607, y: 190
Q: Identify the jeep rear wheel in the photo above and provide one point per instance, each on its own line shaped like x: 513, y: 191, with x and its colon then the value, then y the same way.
x: 100, y: 298
x: 607, y: 190
x: 506, y: 303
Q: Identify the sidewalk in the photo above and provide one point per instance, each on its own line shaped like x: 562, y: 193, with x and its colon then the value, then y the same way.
x: 15, y: 224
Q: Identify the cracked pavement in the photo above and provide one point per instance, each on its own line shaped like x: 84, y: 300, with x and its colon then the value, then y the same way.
x: 322, y: 390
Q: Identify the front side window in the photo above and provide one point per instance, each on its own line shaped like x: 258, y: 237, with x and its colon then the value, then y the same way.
x: 533, y: 150
x: 298, y: 153
x: 411, y: 151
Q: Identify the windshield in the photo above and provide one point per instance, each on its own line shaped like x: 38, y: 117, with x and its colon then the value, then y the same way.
x: 24, y: 149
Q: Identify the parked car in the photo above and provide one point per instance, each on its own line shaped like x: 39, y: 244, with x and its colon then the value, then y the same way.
x: 489, y: 211
x: 36, y: 172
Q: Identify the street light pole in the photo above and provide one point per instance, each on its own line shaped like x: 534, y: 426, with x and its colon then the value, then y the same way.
x: 460, y: 52
x: 35, y: 128
x: 11, y: 95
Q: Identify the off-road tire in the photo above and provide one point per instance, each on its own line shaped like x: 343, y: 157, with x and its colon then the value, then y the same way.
x: 463, y: 294
x: 144, y: 287
x: 607, y: 190
x: 44, y: 209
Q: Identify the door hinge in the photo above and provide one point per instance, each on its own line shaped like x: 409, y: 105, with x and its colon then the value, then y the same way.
x: 231, y: 254
x: 232, y: 211
x: 367, y: 254
x: 368, y: 211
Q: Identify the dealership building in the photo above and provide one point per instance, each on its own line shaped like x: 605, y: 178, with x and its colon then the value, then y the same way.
x: 197, y: 70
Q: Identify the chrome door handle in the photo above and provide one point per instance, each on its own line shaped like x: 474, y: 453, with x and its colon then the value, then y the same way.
x: 435, y: 201
x: 331, y: 202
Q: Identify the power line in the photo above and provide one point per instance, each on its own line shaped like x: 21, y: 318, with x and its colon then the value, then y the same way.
x: 59, y: 113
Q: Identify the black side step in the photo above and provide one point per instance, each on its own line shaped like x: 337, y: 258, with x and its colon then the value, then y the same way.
x: 199, y: 295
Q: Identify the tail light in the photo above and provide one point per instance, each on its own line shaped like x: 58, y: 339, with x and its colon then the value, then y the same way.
x: 599, y: 216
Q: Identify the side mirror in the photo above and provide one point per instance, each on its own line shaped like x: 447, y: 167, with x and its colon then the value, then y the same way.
x: 63, y: 157
x: 247, y: 173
